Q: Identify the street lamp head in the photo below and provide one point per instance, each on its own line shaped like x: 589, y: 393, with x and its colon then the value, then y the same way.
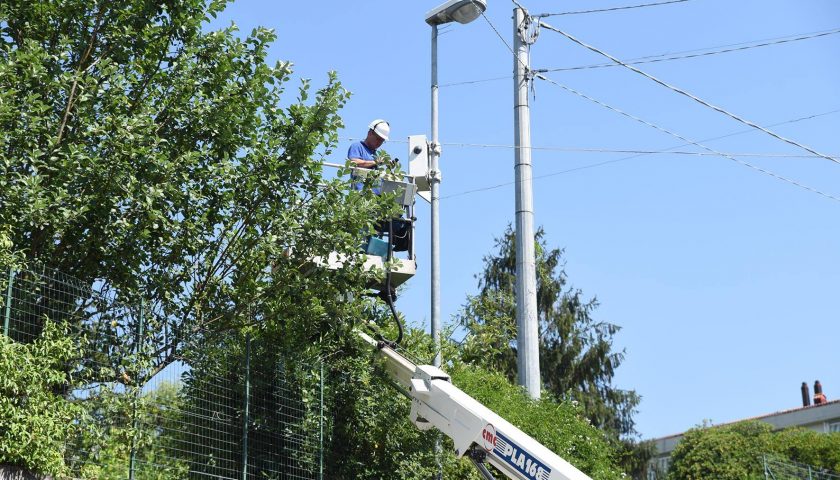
x: 461, y: 11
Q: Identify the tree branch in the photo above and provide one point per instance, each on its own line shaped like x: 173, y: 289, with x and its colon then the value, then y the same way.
x: 79, y: 70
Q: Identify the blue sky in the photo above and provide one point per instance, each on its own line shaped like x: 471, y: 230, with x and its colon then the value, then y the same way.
x: 724, y: 279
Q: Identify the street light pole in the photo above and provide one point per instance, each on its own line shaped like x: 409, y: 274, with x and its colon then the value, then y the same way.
x: 434, y: 185
x: 461, y: 11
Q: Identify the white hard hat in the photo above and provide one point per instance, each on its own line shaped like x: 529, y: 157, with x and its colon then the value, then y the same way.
x: 381, y: 128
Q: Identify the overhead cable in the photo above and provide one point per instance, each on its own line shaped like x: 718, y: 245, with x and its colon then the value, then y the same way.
x: 471, y: 82
x: 691, y: 96
x: 629, y: 150
x: 519, y: 5
x: 692, y: 142
x: 637, y: 155
x: 683, y: 55
x: 636, y: 152
x: 497, y: 32
x: 689, y: 142
x: 613, y: 9
x: 667, y: 57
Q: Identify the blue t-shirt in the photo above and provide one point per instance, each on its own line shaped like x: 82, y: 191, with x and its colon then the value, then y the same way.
x: 361, y: 151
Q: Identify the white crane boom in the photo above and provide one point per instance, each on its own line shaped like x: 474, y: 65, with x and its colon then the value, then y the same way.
x: 473, y: 428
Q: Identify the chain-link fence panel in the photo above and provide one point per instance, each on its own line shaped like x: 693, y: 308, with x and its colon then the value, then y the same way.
x: 783, y: 469
x: 233, y: 409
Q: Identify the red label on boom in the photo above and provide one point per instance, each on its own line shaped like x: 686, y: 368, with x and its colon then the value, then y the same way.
x: 488, y: 437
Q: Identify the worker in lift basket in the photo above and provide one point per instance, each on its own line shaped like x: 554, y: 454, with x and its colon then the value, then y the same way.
x: 363, y: 154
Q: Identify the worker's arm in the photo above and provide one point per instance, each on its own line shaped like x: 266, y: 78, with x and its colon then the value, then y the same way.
x: 363, y: 163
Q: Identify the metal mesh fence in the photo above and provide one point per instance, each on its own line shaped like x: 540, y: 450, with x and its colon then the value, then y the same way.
x: 237, y: 411
x: 778, y: 469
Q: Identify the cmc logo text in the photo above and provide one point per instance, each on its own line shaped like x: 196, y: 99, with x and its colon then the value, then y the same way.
x: 488, y: 437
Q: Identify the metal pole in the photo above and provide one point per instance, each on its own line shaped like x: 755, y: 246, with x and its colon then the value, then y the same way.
x: 434, y: 181
x: 132, y: 461
x: 764, y: 458
x: 528, y: 355
x: 321, y: 425
x: 8, y: 316
x: 434, y: 186
x: 246, y: 414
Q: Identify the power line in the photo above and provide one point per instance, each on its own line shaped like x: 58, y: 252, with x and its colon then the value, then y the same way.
x: 684, y: 55
x: 750, y: 130
x: 636, y: 152
x: 499, y: 34
x: 667, y: 57
x: 689, y: 95
x: 741, y: 132
x: 629, y: 150
x: 519, y: 5
x: 613, y: 9
x: 667, y: 151
x: 471, y: 82
x: 676, y: 135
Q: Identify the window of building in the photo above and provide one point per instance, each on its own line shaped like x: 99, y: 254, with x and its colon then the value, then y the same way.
x: 834, y: 427
x: 658, y: 468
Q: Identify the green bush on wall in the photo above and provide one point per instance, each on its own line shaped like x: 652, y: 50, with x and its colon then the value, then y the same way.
x: 735, y: 451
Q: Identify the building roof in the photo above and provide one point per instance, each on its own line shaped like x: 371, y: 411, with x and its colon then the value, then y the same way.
x: 793, y: 417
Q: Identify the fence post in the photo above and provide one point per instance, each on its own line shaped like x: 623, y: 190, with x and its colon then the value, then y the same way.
x: 137, y: 349
x: 321, y: 426
x: 8, y: 316
x: 766, y: 468
x: 246, y: 415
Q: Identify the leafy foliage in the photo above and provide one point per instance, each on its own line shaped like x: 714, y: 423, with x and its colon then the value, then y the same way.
x: 576, y: 357
x: 168, y: 165
x: 807, y: 446
x: 560, y: 426
x: 154, y: 159
x: 35, y: 418
x: 735, y: 451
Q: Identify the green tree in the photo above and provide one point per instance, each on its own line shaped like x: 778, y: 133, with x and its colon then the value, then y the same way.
x: 577, y: 361
x: 147, y: 156
x: 169, y: 166
x: 730, y: 452
x: 735, y: 451
x: 819, y: 450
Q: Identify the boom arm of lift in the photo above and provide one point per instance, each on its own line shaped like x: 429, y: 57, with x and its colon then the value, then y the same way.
x: 475, y: 430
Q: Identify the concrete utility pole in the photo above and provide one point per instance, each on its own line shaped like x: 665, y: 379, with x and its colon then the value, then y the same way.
x: 527, y: 342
